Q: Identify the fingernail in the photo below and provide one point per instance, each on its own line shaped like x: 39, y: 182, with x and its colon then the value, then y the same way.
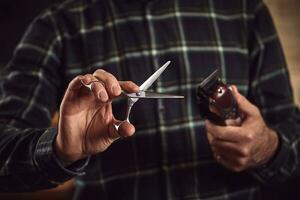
x: 83, y: 80
x: 115, y: 89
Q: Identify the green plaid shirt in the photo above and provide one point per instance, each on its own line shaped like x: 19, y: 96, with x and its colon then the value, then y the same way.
x: 169, y: 156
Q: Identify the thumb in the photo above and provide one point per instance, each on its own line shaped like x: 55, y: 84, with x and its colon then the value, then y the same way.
x: 121, y: 129
x: 244, y: 105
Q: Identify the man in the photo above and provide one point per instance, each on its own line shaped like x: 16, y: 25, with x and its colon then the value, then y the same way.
x: 173, y: 154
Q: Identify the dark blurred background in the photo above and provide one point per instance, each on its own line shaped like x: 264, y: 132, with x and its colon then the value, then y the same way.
x: 15, y: 15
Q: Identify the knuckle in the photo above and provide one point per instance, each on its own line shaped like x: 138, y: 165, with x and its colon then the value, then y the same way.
x: 88, y: 76
x: 245, y: 151
x: 129, y: 82
x: 112, y: 77
x: 99, y: 71
x: 249, y: 136
x: 79, y: 77
x: 108, y: 74
x: 133, y: 85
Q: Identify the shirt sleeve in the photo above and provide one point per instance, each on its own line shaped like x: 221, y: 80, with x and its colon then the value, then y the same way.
x: 271, y: 91
x: 31, y: 87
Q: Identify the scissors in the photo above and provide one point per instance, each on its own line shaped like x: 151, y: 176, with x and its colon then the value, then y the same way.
x: 132, y: 98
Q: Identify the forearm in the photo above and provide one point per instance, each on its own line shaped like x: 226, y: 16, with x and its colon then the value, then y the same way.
x: 284, y: 164
x: 28, y: 161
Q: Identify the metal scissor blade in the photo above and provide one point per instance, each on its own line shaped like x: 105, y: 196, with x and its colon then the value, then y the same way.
x: 154, y: 76
x: 151, y: 95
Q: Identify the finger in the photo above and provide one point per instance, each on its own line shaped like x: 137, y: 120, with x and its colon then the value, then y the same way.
x: 233, y: 122
x: 245, y: 106
x: 227, y: 163
x: 86, y: 79
x: 227, y: 133
x: 230, y: 148
x: 96, y: 87
x: 76, y: 83
x: 230, y: 162
x: 112, y: 85
x: 210, y: 137
x: 73, y: 87
x: 125, y: 129
x: 100, y: 91
x: 129, y: 86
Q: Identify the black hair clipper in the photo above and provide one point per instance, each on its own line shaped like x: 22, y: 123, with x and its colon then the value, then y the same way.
x: 216, y: 101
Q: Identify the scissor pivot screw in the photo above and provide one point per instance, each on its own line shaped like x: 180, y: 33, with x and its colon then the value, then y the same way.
x: 138, y: 94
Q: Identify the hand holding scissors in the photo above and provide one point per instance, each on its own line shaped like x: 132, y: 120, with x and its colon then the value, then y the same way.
x: 132, y: 98
x: 87, y: 125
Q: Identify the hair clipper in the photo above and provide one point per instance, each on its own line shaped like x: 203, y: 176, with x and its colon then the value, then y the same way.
x: 216, y: 101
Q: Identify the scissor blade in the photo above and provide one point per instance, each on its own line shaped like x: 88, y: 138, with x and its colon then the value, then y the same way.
x: 154, y: 76
x: 152, y: 95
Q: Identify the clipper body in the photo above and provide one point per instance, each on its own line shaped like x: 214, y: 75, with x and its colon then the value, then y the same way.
x: 216, y: 101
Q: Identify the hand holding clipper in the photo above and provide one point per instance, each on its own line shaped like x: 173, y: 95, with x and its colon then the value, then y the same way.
x: 216, y: 101
x: 236, y: 131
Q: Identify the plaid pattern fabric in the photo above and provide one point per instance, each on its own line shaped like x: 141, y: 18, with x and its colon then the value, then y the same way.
x: 169, y: 156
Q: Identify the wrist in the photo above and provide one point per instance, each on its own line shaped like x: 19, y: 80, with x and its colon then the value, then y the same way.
x: 62, y: 151
x: 273, y: 142
x: 58, y: 151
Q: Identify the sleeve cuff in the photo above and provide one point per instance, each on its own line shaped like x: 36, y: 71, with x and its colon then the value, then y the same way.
x: 50, y: 164
x: 268, y: 172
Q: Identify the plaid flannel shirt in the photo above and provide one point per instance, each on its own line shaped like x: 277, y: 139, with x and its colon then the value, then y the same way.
x: 169, y: 157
